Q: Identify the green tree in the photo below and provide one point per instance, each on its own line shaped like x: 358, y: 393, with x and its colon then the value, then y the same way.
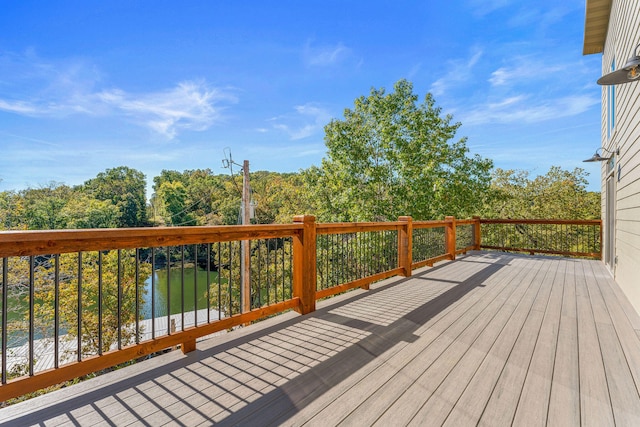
x: 11, y: 211
x: 42, y: 206
x: 558, y: 194
x: 174, y: 197
x: 82, y: 211
x: 125, y: 188
x: 391, y: 156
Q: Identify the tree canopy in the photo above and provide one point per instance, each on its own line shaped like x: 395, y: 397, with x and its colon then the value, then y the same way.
x: 558, y: 194
x: 392, y: 156
x: 125, y: 188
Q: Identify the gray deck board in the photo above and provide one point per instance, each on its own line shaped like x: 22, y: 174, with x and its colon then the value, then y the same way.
x: 490, y: 339
x: 564, y: 402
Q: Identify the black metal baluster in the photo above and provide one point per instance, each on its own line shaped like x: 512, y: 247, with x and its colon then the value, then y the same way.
x: 31, y: 312
x: 258, y: 275
x: 291, y: 266
x: 219, y: 281
x: 119, y: 281
x: 208, y: 283
x: 99, y: 302
x: 5, y: 287
x: 137, y: 296
x: 56, y: 312
x: 267, y: 275
x: 153, y: 293
x: 168, y: 290
x: 182, y: 286
x: 195, y: 285
x: 79, y: 326
x: 327, y: 262
x: 230, y: 280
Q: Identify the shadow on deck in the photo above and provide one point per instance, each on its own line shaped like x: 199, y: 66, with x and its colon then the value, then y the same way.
x: 489, y: 338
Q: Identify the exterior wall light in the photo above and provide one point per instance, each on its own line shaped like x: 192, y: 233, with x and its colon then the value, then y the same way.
x: 598, y: 158
x: 630, y: 72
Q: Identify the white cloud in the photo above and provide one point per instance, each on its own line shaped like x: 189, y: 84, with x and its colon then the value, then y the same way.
x: 521, y: 109
x: 188, y: 106
x: 19, y: 107
x: 460, y: 71
x: 307, y: 120
x: 324, y: 56
x: 484, y: 7
x: 526, y: 70
x: 64, y: 89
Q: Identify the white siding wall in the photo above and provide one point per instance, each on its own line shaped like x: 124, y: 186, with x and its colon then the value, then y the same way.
x: 623, y: 35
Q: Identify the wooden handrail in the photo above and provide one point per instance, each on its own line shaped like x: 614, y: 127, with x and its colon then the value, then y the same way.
x: 46, y: 242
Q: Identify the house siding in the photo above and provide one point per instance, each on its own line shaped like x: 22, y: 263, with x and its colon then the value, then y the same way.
x: 622, y: 36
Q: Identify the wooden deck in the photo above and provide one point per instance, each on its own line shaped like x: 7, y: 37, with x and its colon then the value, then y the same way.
x: 490, y: 339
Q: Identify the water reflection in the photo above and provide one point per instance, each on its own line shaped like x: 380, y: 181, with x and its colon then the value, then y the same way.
x: 194, y: 287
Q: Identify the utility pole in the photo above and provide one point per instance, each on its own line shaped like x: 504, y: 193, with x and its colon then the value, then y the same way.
x: 245, y: 213
x: 246, y: 255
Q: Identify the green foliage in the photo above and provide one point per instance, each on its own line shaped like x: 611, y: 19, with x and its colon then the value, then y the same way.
x: 56, y: 206
x: 559, y: 194
x: 174, y: 196
x: 83, y: 211
x: 391, y: 156
x: 43, y: 205
x: 125, y: 188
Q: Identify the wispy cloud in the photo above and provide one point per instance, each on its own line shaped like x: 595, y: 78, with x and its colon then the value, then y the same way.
x: 460, y: 71
x: 307, y: 120
x: 525, y: 70
x: 484, y: 7
x: 522, y: 109
x: 189, y: 106
x: 543, y: 17
x: 19, y: 107
x: 324, y: 56
x: 64, y: 89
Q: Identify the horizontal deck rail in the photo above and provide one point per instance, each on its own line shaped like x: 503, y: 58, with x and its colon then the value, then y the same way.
x: 80, y: 301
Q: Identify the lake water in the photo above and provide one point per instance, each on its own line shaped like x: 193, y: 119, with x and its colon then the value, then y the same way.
x: 191, y: 294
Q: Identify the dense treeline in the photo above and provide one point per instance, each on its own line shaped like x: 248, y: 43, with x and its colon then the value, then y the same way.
x: 390, y: 155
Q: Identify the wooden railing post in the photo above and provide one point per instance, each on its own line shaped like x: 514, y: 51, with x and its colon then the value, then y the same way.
x: 304, y: 264
x: 477, y: 233
x: 450, y: 236
x: 405, y: 245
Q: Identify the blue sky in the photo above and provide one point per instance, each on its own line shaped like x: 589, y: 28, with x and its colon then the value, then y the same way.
x: 86, y: 86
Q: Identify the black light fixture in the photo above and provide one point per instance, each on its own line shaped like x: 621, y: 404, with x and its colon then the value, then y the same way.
x: 630, y: 72
x: 598, y: 158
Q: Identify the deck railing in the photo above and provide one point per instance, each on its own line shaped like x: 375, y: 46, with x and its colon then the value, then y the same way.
x: 79, y: 301
x: 579, y: 238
